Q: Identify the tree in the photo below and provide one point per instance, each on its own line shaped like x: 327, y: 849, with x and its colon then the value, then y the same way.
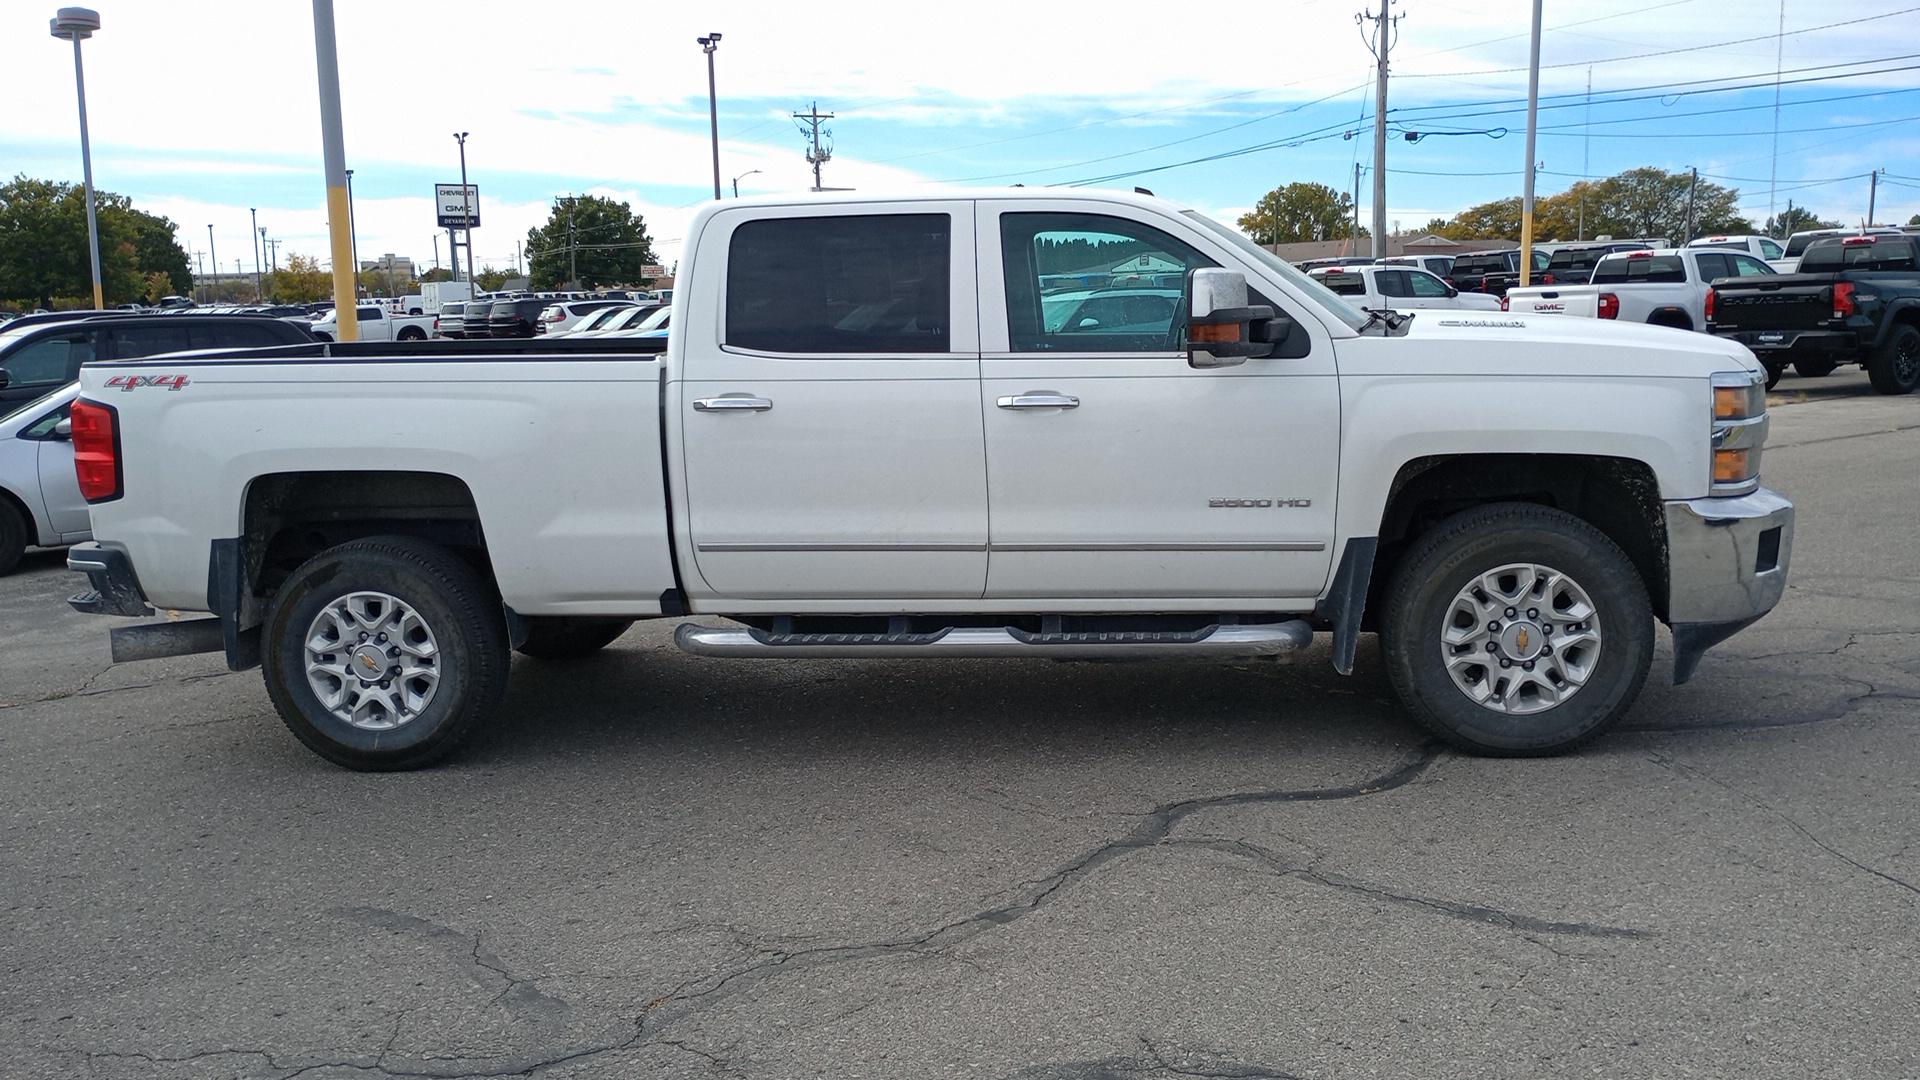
x: 300, y: 280
x: 43, y: 245
x: 1300, y: 211
x: 1638, y: 202
x: 602, y: 241
x: 438, y: 273
x: 1797, y: 219
x: 490, y: 279
x: 1914, y: 220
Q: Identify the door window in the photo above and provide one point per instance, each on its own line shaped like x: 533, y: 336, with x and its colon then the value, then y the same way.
x: 1712, y: 266
x: 150, y: 338
x: 1094, y: 283
x: 50, y: 360
x: 1748, y: 266
x: 1424, y: 284
x: 1770, y: 249
x: 1392, y: 283
x: 841, y: 284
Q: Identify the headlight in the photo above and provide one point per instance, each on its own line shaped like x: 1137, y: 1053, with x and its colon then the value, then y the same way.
x: 1739, y: 429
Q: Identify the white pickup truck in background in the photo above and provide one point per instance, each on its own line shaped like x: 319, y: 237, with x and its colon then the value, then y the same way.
x: 377, y: 324
x: 896, y: 427
x: 1665, y: 287
x: 1398, y: 288
x: 1765, y: 248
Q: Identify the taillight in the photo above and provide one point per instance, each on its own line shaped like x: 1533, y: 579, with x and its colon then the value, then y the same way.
x: 1609, y: 306
x: 1843, y: 300
x: 1711, y: 295
x: 96, y: 451
x: 1503, y: 303
x: 1546, y: 279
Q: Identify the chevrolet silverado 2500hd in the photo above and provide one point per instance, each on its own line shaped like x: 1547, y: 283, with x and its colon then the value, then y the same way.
x: 902, y: 427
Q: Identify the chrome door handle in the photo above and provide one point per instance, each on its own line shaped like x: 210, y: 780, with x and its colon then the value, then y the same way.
x: 731, y: 403
x: 1039, y: 401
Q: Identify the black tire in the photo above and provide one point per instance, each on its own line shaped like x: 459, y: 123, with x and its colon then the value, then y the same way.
x: 1894, y: 367
x: 13, y: 535
x: 413, y: 333
x: 1430, y: 594
x: 468, y: 666
x: 1774, y: 371
x: 1814, y: 367
x: 567, y: 638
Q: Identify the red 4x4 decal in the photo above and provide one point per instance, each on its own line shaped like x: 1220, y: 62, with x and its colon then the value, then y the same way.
x: 130, y: 382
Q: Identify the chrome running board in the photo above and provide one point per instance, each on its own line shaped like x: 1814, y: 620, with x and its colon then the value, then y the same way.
x: 1258, y: 639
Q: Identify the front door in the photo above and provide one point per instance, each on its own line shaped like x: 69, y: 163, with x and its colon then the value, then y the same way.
x: 1114, y: 469
x: 830, y: 407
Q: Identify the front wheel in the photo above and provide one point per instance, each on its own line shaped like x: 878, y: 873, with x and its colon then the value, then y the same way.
x: 1894, y: 367
x: 1515, y: 630
x: 383, y: 654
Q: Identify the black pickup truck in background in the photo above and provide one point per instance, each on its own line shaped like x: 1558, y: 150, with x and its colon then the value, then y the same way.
x: 1855, y: 300
x: 1492, y: 271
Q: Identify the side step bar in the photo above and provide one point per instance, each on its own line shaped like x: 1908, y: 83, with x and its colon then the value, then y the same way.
x: 1262, y: 639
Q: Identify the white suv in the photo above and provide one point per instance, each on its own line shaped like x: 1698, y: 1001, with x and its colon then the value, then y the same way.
x: 567, y: 314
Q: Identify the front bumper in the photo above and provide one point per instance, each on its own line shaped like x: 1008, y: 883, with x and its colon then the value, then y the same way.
x: 1726, y: 567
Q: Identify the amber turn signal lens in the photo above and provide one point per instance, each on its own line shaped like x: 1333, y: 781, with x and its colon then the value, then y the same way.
x: 1730, y: 467
x: 1221, y: 332
x: 1730, y: 402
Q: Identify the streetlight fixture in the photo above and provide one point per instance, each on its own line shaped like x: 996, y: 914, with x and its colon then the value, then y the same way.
x: 737, y: 179
x: 76, y: 24
x: 710, y: 43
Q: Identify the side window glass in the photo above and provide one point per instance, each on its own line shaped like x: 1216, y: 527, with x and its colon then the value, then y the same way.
x: 1771, y: 250
x: 133, y: 339
x: 1094, y: 283
x: 43, y: 427
x: 1714, y: 266
x: 232, y: 336
x: 1748, y: 266
x: 49, y: 361
x: 1426, y: 285
x: 1392, y: 283
x: 846, y: 284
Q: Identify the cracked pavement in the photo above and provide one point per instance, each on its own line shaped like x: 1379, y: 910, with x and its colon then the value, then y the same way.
x: 657, y: 865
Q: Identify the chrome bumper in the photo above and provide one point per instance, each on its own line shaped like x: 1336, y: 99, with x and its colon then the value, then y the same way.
x: 1726, y: 567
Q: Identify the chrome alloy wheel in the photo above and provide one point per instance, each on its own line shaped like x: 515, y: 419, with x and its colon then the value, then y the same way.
x: 372, y: 660
x: 1521, y: 638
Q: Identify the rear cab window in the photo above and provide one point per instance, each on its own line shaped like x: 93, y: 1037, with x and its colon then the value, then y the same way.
x: 1657, y: 269
x: 1859, y: 253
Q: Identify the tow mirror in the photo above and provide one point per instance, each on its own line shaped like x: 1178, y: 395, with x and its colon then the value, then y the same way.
x: 1222, y: 330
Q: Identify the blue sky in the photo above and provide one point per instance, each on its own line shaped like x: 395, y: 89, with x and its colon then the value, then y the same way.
x: 203, y: 109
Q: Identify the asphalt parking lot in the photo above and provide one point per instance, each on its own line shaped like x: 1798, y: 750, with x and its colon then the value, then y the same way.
x: 656, y: 865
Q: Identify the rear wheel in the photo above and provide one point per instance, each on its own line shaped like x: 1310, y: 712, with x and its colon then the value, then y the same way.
x: 13, y: 536
x: 383, y: 654
x: 413, y: 333
x: 1516, y: 630
x: 565, y: 638
x: 1894, y: 367
x: 1813, y: 367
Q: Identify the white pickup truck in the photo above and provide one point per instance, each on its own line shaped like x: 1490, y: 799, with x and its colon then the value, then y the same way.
x: 1665, y: 287
x: 871, y: 435
x: 377, y: 324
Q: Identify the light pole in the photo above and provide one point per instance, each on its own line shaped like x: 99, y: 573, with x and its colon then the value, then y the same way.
x: 710, y: 43
x: 259, y: 257
x: 737, y: 179
x: 213, y: 260
x: 353, y: 232
x: 466, y: 208
x: 253, y: 213
x: 76, y: 24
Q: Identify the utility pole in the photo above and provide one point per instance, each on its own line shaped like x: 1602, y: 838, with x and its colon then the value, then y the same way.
x: 1384, y: 22
x: 258, y: 290
x: 573, y: 264
x: 466, y: 204
x: 817, y: 155
x: 1356, y: 208
x: 1873, y: 192
x: 1692, y: 189
x: 212, y: 259
x: 1533, y: 124
x: 436, y: 253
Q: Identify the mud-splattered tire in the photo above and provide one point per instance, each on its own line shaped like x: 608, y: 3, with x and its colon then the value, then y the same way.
x: 1516, y: 630
x: 385, y: 653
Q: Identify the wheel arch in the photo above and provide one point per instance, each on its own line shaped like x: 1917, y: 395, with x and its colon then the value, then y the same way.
x: 35, y: 530
x: 1618, y: 496
x: 1678, y: 318
x: 289, y: 517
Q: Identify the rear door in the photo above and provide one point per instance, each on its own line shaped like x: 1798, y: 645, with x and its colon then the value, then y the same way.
x: 1116, y: 470
x: 830, y: 409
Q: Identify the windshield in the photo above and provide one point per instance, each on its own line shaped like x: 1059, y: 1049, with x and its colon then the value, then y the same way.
x: 654, y: 321
x: 1352, y: 316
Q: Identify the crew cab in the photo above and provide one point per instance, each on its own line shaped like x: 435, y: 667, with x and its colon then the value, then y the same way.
x: 870, y: 434
x: 377, y: 324
x: 1854, y: 300
x: 1399, y: 288
x: 1665, y: 287
x: 1764, y: 248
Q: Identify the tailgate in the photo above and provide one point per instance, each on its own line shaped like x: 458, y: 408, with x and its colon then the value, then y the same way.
x: 1582, y: 301
x: 1793, y: 303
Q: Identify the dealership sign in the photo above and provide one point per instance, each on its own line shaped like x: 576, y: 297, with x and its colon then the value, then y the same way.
x: 453, y: 205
